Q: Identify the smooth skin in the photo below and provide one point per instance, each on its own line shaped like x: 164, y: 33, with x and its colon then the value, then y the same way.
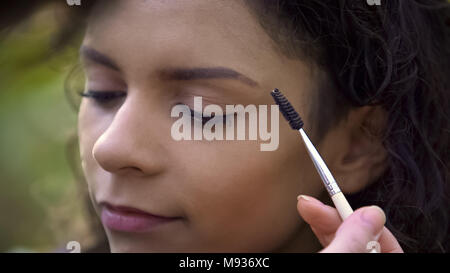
x: 229, y: 196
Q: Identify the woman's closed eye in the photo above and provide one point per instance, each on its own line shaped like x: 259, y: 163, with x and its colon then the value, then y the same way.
x: 204, y: 118
x: 103, y: 97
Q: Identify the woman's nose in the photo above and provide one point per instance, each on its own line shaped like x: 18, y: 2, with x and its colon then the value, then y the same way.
x: 130, y: 142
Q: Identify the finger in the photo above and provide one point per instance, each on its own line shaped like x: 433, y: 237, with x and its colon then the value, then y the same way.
x: 388, y: 243
x: 324, y: 220
x: 360, y: 228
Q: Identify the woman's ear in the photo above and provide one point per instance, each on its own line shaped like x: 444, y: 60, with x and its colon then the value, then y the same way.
x: 356, y: 153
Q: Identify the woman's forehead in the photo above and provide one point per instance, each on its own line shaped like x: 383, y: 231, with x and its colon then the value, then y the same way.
x: 224, y: 16
x: 183, y: 33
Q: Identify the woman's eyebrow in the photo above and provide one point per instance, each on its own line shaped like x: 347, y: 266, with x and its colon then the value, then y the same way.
x: 178, y: 73
x: 184, y: 74
x: 97, y: 57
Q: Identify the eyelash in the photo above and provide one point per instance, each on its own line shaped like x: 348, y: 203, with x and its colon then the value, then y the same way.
x: 204, y: 119
x: 103, y: 97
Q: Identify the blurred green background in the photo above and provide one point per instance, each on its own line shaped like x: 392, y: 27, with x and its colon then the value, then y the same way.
x: 40, y: 199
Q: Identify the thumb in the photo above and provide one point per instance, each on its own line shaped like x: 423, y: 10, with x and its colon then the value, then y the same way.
x: 361, y: 227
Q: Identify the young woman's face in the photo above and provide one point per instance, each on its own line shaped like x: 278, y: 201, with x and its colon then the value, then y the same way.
x: 224, y: 195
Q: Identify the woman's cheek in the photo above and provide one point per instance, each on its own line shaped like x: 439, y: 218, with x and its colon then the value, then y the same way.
x: 230, y: 188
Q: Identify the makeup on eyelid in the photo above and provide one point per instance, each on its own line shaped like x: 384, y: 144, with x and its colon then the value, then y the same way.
x: 250, y: 119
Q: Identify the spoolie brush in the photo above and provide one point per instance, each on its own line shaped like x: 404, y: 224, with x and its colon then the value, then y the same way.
x: 296, y: 123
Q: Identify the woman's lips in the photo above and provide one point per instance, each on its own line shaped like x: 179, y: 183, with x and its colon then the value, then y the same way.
x: 130, y: 219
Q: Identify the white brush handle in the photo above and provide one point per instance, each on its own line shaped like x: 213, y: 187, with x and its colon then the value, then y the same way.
x: 341, y: 204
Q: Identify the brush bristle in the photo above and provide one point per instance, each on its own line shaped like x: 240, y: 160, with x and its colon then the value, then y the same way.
x: 287, y: 110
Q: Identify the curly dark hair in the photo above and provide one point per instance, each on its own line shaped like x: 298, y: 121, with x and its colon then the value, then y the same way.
x: 394, y: 56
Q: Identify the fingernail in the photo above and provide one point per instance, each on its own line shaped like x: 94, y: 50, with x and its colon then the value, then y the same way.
x: 304, y: 197
x: 373, y: 215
